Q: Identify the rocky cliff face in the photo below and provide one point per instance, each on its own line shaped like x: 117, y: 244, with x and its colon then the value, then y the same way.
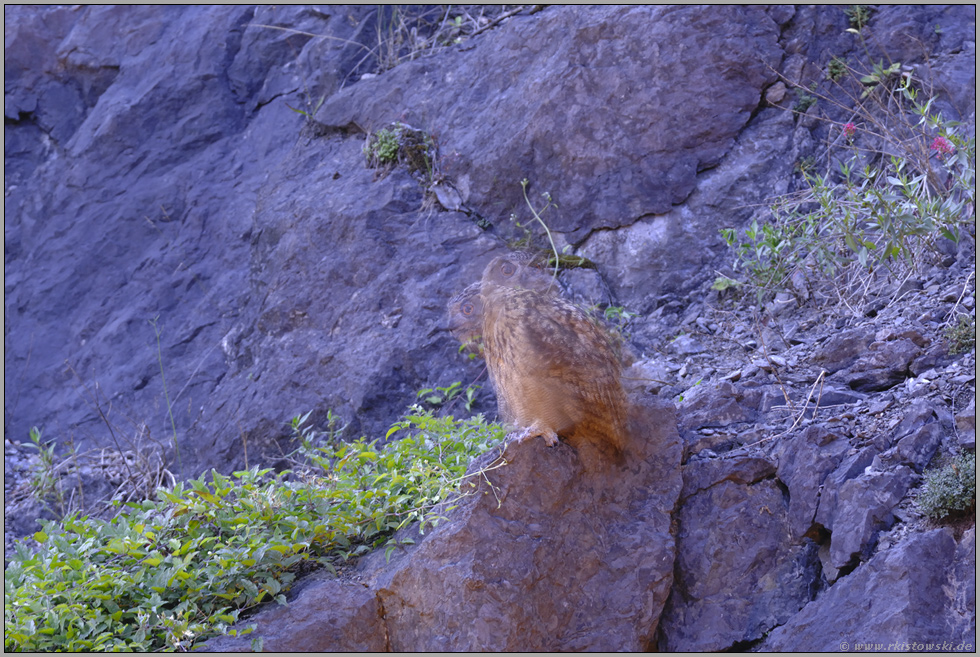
x: 179, y: 241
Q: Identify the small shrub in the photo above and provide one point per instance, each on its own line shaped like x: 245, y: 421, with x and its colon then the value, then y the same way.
x: 962, y: 336
x: 905, y: 180
x: 858, y: 16
x: 399, y: 143
x: 836, y: 69
x: 384, y: 147
x: 951, y: 490
x: 803, y: 103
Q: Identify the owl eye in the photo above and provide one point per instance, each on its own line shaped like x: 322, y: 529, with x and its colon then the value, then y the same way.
x: 467, y: 308
x: 507, y: 268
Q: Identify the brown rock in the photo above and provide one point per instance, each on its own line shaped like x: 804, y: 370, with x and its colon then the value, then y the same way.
x: 326, y: 615
x: 545, y: 556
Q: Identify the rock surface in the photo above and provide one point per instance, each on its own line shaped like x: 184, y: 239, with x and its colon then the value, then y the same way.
x: 739, y: 572
x: 899, y: 601
x: 542, y: 555
x: 180, y: 243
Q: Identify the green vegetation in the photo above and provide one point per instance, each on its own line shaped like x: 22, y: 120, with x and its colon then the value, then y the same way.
x: 951, y: 490
x: 45, y: 483
x: 836, y: 69
x: 399, y: 143
x: 168, y: 573
x: 962, y: 336
x: 555, y: 258
x: 803, y: 103
x: 618, y: 315
x: 899, y: 177
x: 858, y: 16
x: 439, y: 396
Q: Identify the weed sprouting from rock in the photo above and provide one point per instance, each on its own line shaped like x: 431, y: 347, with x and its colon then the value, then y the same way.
x: 399, y: 143
x: 951, y: 490
x: 962, y: 336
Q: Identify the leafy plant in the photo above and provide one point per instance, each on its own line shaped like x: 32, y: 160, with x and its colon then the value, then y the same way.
x: 399, y: 143
x: 722, y: 282
x: 962, y: 336
x: 870, y: 214
x: 618, y: 314
x: 440, y: 396
x: 168, y: 573
x: 836, y: 69
x: 858, y: 16
x: 950, y: 490
x: 386, y: 145
x: 45, y: 482
x: 803, y: 103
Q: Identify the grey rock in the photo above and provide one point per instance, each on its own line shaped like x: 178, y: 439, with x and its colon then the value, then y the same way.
x: 741, y: 470
x: 731, y: 536
x: 711, y: 405
x: 436, y: 91
x: 833, y: 396
x: 586, y: 287
x: 686, y: 345
x: 920, y: 413
x: 804, y: 463
x: 850, y: 467
x: 646, y: 375
x: 864, y: 508
x: 914, y: 450
x: 966, y: 425
x: 900, y: 600
x: 935, y: 357
x: 885, y: 366
x: 138, y: 206
x: 843, y: 349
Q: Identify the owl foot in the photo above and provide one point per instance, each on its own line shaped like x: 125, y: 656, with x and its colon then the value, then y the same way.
x: 550, y: 437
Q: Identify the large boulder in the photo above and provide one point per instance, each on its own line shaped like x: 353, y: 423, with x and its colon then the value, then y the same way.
x: 549, y: 551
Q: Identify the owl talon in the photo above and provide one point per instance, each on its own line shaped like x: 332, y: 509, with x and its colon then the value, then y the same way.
x: 550, y: 437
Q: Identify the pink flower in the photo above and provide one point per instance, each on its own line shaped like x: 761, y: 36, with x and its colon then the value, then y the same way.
x: 942, y: 146
x: 849, y: 130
